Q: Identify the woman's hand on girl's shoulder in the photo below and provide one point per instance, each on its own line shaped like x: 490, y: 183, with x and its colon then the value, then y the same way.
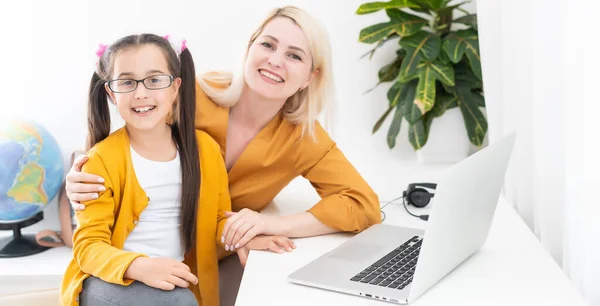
x: 277, y: 244
x: 81, y: 186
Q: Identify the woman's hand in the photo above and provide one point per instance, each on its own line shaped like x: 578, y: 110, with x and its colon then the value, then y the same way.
x: 244, y: 225
x: 81, y: 186
x: 276, y: 244
x: 161, y: 273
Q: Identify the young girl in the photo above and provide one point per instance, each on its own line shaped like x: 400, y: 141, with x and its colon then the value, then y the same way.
x: 165, y: 192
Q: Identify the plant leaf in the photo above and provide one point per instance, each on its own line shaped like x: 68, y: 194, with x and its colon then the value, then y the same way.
x: 377, y: 32
x: 395, y: 127
x: 426, y: 88
x: 407, y: 24
x: 418, y: 133
x: 443, y: 73
x: 420, y: 46
x: 401, y: 52
x: 422, y: 9
x: 411, y: 111
x: 402, y: 23
x: 390, y: 71
x: 475, y: 122
x: 436, y: 4
x: 479, y: 99
x: 372, y: 7
x: 394, y: 94
x: 443, y: 58
x: 452, y: 104
x: 382, y: 119
x: 465, y: 77
x: 425, y: 95
x: 462, y: 42
x: 424, y: 6
x: 443, y: 102
x: 475, y: 60
x: 470, y: 20
x: 379, y: 44
x: 446, y: 9
x: 372, y: 88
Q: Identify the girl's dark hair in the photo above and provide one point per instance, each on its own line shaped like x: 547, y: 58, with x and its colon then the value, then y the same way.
x: 182, y: 125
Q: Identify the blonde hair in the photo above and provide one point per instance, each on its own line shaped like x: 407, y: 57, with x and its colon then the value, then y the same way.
x: 302, y: 107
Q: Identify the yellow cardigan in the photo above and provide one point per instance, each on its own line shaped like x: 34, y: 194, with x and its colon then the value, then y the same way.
x: 278, y: 154
x: 98, y: 240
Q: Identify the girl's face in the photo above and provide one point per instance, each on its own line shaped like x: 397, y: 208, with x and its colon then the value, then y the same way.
x: 143, y: 108
x: 279, y: 61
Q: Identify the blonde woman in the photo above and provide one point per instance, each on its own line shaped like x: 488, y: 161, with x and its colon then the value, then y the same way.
x: 264, y: 120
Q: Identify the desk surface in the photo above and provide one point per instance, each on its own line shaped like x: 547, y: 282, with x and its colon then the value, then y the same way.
x: 512, y: 268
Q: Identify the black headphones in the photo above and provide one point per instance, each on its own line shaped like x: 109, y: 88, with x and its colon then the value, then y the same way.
x: 415, y: 196
x: 418, y: 197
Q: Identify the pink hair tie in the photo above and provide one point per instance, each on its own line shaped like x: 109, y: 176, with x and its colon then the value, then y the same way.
x: 178, y: 45
x: 101, y: 49
x: 100, y: 52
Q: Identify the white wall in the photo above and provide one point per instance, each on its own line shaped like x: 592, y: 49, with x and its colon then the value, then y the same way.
x: 540, y: 71
x: 48, y: 56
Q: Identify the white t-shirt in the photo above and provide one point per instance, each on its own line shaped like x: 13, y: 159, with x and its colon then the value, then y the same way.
x: 157, y: 233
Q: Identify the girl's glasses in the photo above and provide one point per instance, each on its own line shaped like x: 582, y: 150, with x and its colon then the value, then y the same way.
x: 154, y: 82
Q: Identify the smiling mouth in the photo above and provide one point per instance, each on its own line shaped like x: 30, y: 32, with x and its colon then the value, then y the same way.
x: 145, y: 109
x: 271, y: 76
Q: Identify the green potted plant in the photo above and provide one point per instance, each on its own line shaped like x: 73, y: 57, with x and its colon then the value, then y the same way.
x: 437, y: 67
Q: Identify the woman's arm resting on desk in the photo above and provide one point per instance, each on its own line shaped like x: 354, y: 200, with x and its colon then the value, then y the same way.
x: 247, y: 224
x: 348, y: 204
x: 302, y: 225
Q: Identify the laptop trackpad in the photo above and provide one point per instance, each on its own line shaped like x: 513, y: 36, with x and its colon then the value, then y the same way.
x: 356, y: 251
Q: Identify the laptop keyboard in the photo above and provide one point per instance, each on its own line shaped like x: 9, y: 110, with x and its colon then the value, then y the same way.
x: 394, y: 270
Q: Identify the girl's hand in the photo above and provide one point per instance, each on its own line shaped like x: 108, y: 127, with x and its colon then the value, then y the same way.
x: 276, y: 244
x: 81, y: 186
x: 161, y: 273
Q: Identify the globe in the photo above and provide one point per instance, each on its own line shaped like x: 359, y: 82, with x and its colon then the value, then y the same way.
x: 31, y: 170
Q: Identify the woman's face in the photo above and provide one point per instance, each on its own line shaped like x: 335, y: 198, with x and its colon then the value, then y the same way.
x: 279, y: 61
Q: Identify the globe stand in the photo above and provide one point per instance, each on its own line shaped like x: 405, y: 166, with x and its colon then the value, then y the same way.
x: 20, y: 245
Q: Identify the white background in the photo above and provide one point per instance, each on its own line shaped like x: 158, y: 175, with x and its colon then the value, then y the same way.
x: 47, y: 56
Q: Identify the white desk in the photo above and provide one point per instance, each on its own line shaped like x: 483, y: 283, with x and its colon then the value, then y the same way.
x: 512, y: 268
x: 33, y: 273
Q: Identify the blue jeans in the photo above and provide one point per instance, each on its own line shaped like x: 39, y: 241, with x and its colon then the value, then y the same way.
x: 97, y: 292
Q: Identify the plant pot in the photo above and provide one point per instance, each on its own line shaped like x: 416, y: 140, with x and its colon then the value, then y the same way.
x: 448, y: 141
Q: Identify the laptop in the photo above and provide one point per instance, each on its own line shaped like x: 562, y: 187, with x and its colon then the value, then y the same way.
x: 398, y: 264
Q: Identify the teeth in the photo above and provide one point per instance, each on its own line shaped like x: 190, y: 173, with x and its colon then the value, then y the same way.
x: 143, y: 109
x: 271, y: 76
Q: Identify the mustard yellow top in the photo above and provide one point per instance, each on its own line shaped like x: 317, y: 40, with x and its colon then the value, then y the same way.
x: 278, y: 154
x: 98, y: 240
